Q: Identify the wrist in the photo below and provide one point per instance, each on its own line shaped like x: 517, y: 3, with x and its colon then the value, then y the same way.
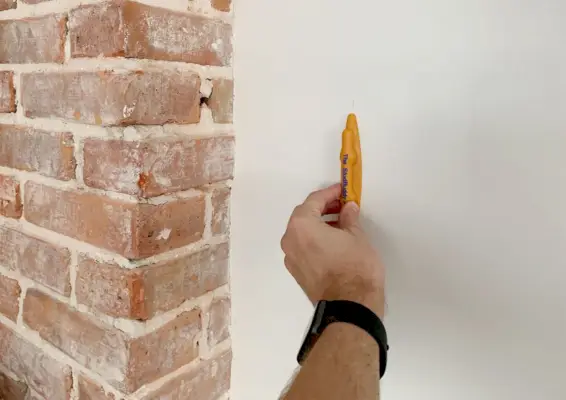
x: 365, y: 293
x: 375, y: 301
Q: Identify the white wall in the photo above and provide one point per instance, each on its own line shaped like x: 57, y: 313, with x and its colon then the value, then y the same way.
x: 462, y: 107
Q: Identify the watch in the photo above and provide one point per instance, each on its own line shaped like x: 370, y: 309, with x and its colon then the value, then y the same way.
x: 328, y: 312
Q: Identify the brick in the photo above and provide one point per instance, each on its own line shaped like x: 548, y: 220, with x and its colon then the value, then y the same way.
x: 6, y: 5
x: 169, y: 226
x: 221, y: 101
x: 157, y: 166
x: 209, y: 381
x: 165, y: 350
x: 126, y: 363
x: 11, y: 389
x: 38, y: 260
x: 95, y: 219
x: 144, y: 292
x: 7, y: 91
x: 28, y: 149
x: 221, y: 211
x: 116, y: 291
x: 135, y: 30
x: 97, y: 30
x: 113, y: 98
x: 131, y: 229
x: 9, y: 298
x: 10, y: 200
x: 89, y: 390
x: 49, y: 378
x: 103, y: 349
x: 219, y: 321
x: 186, y: 278
x: 222, y: 5
x: 33, y: 40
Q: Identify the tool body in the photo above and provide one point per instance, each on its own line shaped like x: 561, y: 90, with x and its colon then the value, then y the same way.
x: 351, y: 163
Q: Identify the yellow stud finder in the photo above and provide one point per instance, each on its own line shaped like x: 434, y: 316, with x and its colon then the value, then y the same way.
x: 351, y: 163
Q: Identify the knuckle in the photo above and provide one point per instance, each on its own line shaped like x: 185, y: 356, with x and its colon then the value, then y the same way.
x: 284, y: 241
x: 295, y: 223
x: 297, y: 211
x: 310, y: 197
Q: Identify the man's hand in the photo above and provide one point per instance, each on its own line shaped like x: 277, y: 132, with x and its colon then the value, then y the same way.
x: 333, y: 261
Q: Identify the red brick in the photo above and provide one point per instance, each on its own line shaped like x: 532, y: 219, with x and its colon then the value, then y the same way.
x: 126, y: 363
x: 95, y: 219
x: 221, y: 101
x: 9, y: 298
x: 6, y: 5
x: 89, y: 390
x: 10, y: 200
x: 165, y: 350
x: 222, y: 5
x: 103, y: 349
x: 221, y: 211
x: 38, y: 260
x: 219, y: 321
x: 169, y: 226
x: 33, y: 40
x: 28, y: 149
x: 157, y: 166
x: 11, y: 389
x: 144, y: 292
x: 113, y: 290
x: 47, y: 377
x: 113, y: 98
x: 97, y: 30
x: 7, y: 91
x: 131, y: 229
x: 187, y: 277
x: 208, y: 381
x: 135, y: 30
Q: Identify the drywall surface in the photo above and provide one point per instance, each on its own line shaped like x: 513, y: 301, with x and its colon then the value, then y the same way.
x: 462, y: 108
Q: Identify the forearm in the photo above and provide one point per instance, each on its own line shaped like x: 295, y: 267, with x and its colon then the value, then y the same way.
x: 336, y: 264
x: 344, y: 364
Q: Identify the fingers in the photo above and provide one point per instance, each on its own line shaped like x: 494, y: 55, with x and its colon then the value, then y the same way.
x: 332, y: 208
x: 350, y: 217
x: 317, y: 203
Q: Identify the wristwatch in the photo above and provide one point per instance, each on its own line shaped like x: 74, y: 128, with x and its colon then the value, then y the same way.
x: 328, y: 312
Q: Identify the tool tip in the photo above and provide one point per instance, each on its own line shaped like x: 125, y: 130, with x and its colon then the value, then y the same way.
x: 352, y: 123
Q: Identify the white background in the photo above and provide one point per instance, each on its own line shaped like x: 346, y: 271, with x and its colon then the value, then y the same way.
x: 462, y: 110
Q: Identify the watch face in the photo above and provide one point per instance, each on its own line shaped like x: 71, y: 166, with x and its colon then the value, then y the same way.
x: 314, y: 331
x: 316, y: 325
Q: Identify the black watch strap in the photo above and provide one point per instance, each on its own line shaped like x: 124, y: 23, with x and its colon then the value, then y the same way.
x: 328, y: 312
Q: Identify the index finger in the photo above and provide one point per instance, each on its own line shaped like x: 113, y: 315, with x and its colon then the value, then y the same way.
x: 318, y: 202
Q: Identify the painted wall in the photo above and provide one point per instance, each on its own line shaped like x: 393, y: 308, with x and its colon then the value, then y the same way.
x: 462, y: 106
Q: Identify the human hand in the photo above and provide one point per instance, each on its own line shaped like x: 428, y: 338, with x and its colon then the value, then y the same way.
x: 333, y: 261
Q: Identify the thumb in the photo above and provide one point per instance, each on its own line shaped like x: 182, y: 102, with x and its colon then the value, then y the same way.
x: 350, y: 217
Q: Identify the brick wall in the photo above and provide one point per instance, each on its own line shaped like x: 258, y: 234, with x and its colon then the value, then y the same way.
x: 116, y: 155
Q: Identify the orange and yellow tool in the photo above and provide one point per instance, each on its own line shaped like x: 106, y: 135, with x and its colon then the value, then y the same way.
x: 351, y: 162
